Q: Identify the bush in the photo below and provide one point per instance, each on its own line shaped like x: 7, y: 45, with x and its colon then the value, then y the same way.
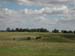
x: 13, y: 38
x: 28, y: 38
x: 39, y: 37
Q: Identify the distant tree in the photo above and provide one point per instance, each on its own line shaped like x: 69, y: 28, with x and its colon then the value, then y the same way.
x: 33, y: 30
x: 12, y: 30
x: 8, y: 29
x: 70, y: 31
x: 20, y: 30
x: 42, y: 30
x: 74, y: 32
x: 55, y: 31
x: 27, y: 30
x: 45, y: 30
x: 17, y: 29
x: 64, y: 31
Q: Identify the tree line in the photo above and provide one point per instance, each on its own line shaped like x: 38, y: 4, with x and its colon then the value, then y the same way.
x: 37, y: 30
x: 27, y: 30
x: 62, y: 31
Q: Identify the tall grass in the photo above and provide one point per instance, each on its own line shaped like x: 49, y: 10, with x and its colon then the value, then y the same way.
x: 50, y: 44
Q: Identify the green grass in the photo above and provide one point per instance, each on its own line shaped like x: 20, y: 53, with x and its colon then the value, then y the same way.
x: 50, y: 37
x: 51, y: 44
x: 31, y: 48
x: 47, y: 52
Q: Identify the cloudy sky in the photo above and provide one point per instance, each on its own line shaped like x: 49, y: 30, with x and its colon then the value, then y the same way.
x: 48, y: 14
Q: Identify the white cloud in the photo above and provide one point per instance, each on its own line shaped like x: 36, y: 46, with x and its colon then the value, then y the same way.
x: 34, y: 18
x: 6, y: 11
x: 19, y: 19
x: 44, y: 2
x: 40, y: 2
x: 36, y: 11
x: 45, y: 10
x: 54, y: 14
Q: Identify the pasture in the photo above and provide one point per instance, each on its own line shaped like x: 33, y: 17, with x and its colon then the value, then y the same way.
x: 26, y: 44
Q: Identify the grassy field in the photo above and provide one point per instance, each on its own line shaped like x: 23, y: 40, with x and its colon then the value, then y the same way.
x: 50, y: 44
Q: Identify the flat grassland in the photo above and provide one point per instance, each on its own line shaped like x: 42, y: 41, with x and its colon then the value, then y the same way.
x: 50, y: 44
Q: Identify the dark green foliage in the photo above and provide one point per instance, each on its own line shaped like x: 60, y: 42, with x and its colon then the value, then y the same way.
x: 70, y: 31
x: 66, y: 31
x: 28, y: 38
x: 8, y: 29
x: 74, y: 32
x: 39, y: 37
x: 27, y: 30
x: 63, y: 31
x: 55, y: 31
x: 17, y: 29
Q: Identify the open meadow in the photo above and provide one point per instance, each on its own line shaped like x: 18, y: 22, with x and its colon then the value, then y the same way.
x: 36, y: 44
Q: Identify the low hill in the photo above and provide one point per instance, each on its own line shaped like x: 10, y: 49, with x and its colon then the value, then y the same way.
x: 50, y: 37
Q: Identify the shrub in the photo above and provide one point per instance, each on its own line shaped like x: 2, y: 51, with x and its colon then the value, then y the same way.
x: 28, y: 38
x: 13, y: 38
x: 39, y: 37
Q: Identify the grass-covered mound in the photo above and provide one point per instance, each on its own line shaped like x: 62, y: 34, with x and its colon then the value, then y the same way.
x: 36, y: 44
x: 50, y: 37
